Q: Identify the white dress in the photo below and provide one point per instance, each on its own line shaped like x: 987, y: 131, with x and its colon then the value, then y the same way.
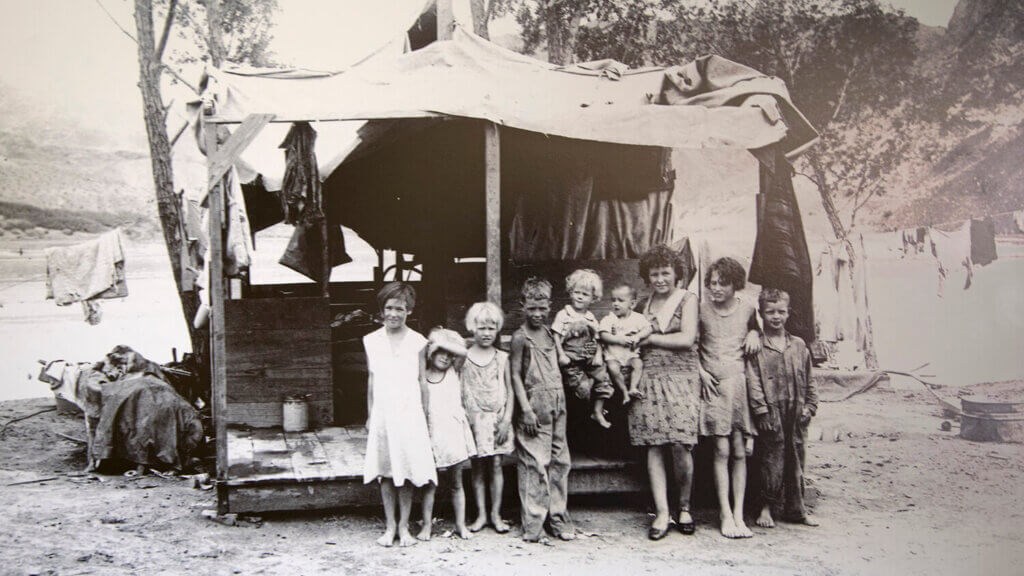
x: 450, y: 433
x: 397, y: 441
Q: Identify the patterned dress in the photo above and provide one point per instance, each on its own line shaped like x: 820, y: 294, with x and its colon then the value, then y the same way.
x: 484, y: 395
x: 668, y: 411
x: 721, y: 354
x: 450, y: 434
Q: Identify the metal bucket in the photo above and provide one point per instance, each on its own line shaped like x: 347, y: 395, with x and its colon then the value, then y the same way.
x: 986, y: 420
x: 295, y: 414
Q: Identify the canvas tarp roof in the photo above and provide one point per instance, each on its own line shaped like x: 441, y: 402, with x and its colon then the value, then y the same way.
x: 711, y: 103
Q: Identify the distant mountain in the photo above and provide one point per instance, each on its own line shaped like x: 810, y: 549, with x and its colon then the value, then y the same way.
x: 49, y: 161
x: 969, y: 158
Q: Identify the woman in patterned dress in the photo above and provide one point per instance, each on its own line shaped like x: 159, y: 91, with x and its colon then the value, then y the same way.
x: 664, y: 420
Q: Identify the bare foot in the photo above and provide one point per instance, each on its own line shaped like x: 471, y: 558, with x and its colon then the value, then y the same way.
x: 809, y: 520
x: 539, y: 540
x: 765, y: 520
x: 742, y: 531
x: 635, y: 393
x: 567, y: 535
x: 684, y: 517
x: 601, y: 420
x: 478, y: 524
x: 500, y: 526
x: 424, y: 534
x: 405, y: 538
x: 625, y: 396
x: 728, y: 527
x: 388, y: 539
x: 463, y: 532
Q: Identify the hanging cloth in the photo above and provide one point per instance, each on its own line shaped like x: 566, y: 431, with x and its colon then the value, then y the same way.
x: 781, y: 259
x: 86, y: 273
x: 303, y: 204
x: 951, y: 251
x: 983, y: 241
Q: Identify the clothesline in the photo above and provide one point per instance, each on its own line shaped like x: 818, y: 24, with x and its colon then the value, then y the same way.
x: 957, y: 221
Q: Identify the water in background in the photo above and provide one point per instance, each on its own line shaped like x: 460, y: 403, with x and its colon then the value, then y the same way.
x: 966, y: 336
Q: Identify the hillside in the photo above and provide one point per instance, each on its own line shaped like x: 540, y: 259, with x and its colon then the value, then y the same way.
x: 968, y: 157
x: 49, y: 162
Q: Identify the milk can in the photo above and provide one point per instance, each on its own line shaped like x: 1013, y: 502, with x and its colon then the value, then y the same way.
x: 295, y: 413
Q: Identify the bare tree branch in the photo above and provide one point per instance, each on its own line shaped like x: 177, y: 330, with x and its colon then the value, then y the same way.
x: 167, y: 30
x: 162, y: 66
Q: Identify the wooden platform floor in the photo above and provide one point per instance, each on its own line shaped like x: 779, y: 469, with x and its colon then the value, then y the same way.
x: 269, y: 469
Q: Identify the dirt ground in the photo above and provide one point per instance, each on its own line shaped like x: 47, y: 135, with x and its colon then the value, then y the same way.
x: 896, y: 496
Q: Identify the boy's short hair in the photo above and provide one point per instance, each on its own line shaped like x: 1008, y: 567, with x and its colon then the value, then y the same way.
x: 771, y: 296
x: 536, y: 288
x: 661, y: 256
x: 483, y: 312
x: 584, y: 278
x: 398, y: 290
x: 729, y: 271
x: 627, y: 286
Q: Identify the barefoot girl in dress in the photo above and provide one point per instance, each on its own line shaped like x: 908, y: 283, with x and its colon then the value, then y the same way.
x: 487, y: 396
x: 398, y: 450
x: 450, y: 434
x: 728, y: 330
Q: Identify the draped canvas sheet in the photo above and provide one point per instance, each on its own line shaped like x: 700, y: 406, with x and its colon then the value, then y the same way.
x: 781, y: 259
x: 575, y: 200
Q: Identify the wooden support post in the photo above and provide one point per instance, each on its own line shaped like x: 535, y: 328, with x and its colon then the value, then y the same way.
x: 492, y: 185
x: 218, y: 371
x: 445, y: 19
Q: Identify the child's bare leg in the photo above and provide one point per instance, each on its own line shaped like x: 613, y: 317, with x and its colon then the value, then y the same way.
x: 387, y: 496
x: 497, y: 486
x: 598, y: 414
x: 615, y: 373
x: 479, y: 493
x: 739, y: 482
x: 637, y: 366
x: 721, y: 471
x: 404, y: 509
x: 428, y: 512
x: 459, y: 503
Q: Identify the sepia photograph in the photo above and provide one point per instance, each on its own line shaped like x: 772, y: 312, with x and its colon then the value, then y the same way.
x: 505, y: 287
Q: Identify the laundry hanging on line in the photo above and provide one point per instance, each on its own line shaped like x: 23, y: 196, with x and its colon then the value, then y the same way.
x: 86, y: 273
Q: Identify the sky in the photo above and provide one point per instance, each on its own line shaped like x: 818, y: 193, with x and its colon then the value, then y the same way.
x: 66, y: 58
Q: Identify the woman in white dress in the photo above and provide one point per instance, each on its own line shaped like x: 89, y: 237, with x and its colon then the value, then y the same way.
x: 398, y: 449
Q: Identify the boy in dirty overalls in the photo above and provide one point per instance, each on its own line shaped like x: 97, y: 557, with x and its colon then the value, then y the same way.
x: 541, y: 446
x: 783, y: 399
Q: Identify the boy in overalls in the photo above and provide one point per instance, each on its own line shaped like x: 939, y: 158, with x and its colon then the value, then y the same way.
x: 541, y: 445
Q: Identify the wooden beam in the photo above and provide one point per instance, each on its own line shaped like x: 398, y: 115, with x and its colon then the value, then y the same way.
x: 492, y: 185
x: 218, y: 369
x: 219, y: 161
x: 445, y: 19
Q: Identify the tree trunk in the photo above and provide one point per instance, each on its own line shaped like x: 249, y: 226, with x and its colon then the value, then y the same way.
x: 560, y: 27
x: 478, y: 8
x: 163, y: 176
x: 214, y: 41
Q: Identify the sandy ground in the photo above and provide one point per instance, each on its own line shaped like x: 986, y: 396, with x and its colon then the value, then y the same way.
x: 897, y: 496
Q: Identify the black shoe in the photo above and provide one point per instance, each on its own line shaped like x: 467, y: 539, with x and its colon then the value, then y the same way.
x: 687, y: 527
x: 657, y: 533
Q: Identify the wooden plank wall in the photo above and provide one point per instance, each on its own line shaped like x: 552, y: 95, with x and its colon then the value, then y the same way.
x: 276, y: 347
